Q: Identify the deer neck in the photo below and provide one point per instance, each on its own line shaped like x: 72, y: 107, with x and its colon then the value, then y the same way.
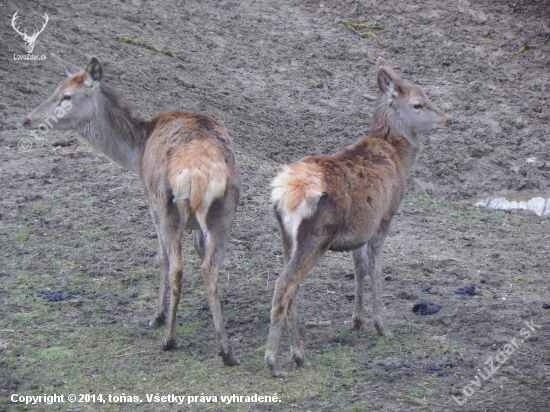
x: 388, y: 125
x: 115, y: 132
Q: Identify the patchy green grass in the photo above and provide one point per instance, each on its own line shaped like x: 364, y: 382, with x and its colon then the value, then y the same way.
x: 99, y: 343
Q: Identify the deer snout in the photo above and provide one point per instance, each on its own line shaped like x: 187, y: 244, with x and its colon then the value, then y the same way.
x: 26, y: 123
x: 445, y: 122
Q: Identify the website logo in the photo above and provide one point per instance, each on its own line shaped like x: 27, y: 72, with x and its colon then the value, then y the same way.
x: 29, y: 40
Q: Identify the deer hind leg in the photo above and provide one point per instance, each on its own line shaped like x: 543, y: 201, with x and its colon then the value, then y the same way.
x: 374, y: 255
x: 307, y: 251
x: 211, y: 243
x: 159, y: 317
x: 198, y: 243
x: 296, y: 350
x: 285, y: 237
x: 360, y: 269
x: 171, y: 232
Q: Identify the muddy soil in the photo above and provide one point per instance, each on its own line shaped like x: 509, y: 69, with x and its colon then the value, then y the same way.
x: 290, y: 79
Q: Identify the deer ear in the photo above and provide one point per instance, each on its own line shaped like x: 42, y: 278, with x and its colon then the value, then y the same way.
x: 385, y: 81
x: 381, y: 62
x: 70, y: 68
x: 93, y: 72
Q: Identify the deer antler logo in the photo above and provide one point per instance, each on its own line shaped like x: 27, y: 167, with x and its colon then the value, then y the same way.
x: 29, y: 40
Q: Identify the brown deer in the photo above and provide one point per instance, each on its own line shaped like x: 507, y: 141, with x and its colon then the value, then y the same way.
x: 187, y: 167
x: 345, y: 202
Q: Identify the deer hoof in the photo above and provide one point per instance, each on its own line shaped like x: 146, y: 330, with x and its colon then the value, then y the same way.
x: 157, y: 321
x: 230, y: 360
x: 300, y: 360
x: 168, y: 344
x: 359, y: 323
x: 279, y: 373
x: 382, y: 327
x: 383, y: 330
x: 273, y: 365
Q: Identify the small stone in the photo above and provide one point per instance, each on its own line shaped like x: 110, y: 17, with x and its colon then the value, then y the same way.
x: 60, y: 142
x: 494, y: 282
x: 520, y: 123
x: 350, y: 296
x: 407, y: 296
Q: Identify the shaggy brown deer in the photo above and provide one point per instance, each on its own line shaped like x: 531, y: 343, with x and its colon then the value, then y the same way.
x: 345, y: 202
x: 187, y: 167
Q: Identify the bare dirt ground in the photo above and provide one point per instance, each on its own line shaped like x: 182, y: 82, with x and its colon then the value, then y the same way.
x: 288, y: 79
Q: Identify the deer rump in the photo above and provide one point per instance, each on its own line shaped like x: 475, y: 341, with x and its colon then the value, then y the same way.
x: 192, y: 149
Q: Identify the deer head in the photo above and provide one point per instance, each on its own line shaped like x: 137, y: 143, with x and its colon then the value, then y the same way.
x: 405, y: 107
x: 74, y: 103
x: 29, y: 40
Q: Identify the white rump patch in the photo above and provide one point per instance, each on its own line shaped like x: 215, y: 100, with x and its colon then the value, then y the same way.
x: 214, y: 189
x: 182, y: 186
x: 199, y: 186
x: 291, y: 219
x: 279, y: 189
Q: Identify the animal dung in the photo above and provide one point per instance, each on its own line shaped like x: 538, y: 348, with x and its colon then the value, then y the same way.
x: 466, y: 289
x: 59, y: 295
x: 424, y: 307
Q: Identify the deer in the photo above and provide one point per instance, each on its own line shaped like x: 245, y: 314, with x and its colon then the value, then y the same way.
x: 29, y: 40
x: 187, y: 167
x: 345, y: 202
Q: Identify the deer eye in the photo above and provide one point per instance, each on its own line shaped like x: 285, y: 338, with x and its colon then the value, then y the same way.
x: 417, y: 106
x: 65, y: 98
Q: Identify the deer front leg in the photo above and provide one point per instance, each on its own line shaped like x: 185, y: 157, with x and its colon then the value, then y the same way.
x: 374, y: 255
x: 159, y: 317
x: 169, y: 339
x: 360, y: 270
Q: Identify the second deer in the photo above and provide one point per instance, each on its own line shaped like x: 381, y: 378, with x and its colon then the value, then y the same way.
x: 345, y: 202
x: 186, y: 163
